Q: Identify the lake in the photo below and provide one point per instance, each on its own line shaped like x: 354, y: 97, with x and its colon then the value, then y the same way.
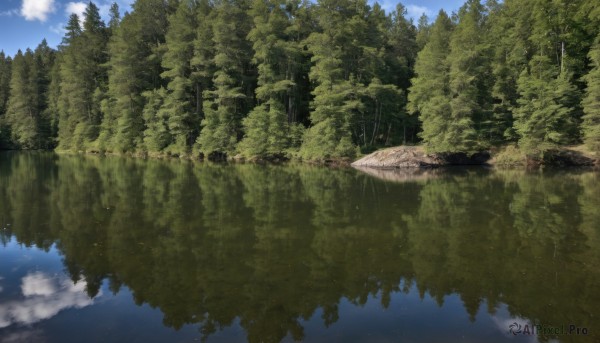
x: 109, y: 249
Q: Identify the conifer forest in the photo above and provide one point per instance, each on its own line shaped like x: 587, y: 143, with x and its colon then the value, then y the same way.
x: 328, y: 79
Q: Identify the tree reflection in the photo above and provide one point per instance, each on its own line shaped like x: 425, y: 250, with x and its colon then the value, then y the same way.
x: 269, y: 246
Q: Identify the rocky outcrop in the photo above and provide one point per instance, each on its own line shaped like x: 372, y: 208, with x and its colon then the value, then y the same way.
x: 416, y: 157
x: 399, y: 157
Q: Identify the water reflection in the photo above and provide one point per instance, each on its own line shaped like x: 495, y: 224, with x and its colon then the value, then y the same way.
x: 270, y: 247
x: 43, y: 296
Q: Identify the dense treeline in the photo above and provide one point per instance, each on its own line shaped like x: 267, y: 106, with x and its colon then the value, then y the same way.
x: 282, y: 78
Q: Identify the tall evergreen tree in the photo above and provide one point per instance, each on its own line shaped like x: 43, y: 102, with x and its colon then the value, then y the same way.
x: 591, y: 102
x: 423, y: 31
x: 267, y: 127
x: 45, y: 60
x: 115, y: 17
x: 5, y: 69
x: 179, y: 103
x: 157, y: 135
x: 83, y: 80
x: 135, y: 53
x: 546, y: 105
x: 224, y: 105
x: 22, y: 113
x: 469, y: 125
x: 52, y: 112
x: 510, y: 27
x: 429, y: 95
x: 202, y: 62
x: 402, y: 49
x: 5, y: 76
x: 344, y: 55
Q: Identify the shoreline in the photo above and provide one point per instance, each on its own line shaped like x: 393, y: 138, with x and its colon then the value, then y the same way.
x: 412, y: 158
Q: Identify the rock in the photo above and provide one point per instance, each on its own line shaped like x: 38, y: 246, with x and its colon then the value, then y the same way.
x: 416, y: 157
x: 399, y: 157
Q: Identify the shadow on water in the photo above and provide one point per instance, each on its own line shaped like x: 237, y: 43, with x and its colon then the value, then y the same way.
x: 270, y: 246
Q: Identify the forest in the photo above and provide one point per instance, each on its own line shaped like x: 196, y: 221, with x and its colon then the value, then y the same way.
x: 323, y: 80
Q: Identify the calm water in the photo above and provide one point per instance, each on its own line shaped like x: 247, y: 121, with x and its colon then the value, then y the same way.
x: 111, y: 249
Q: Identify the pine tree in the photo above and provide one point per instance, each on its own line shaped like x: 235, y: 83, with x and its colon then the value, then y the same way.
x: 70, y: 105
x: 468, y: 78
x: 429, y: 95
x: 591, y: 102
x: 23, y: 113
x: 403, y: 47
x: 224, y: 105
x: 179, y: 102
x: 344, y: 60
x: 83, y: 81
x: 423, y: 31
x: 546, y: 105
x: 135, y: 53
x: 5, y: 76
x: 157, y: 135
x: 202, y: 62
x: 115, y: 17
x: 52, y: 112
x: 266, y: 127
x: 45, y: 60
x: 510, y: 27
x: 5, y: 70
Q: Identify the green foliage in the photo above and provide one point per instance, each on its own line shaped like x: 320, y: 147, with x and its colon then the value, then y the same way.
x: 267, y: 126
x: 135, y: 51
x: 429, y: 95
x: 183, y: 121
x: 345, y: 58
x: 83, y: 81
x: 510, y: 28
x: 510, y: 156
x: 591, y: 102
x: 547, y: 108
x: 24, y: 117
x: 468, y: 80
x: 5, y: 73
x: 225, y: 104
x: 157, y: 135
x: 271, y: 78
x: 164, y: 231
x: 5, y: 76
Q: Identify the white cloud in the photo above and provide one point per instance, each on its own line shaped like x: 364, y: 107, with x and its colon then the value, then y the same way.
x: 59, y: 29
x: 9, y: 13
x: 24, y: 335
x: 37, y: 9
x: 37, y: 284
x: 415, y: 11
x: 44, y: 297
x: 76, y: 8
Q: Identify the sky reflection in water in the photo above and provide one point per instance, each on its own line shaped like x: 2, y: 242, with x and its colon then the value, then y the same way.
x: 103, y: 249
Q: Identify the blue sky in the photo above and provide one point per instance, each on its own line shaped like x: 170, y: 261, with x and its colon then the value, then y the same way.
x: 24, y: 23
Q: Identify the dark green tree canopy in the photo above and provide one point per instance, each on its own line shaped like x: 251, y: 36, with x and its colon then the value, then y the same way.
x: 312, y: 80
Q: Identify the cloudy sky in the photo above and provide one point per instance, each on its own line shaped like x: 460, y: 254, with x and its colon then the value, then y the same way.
x: 24, y: 23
